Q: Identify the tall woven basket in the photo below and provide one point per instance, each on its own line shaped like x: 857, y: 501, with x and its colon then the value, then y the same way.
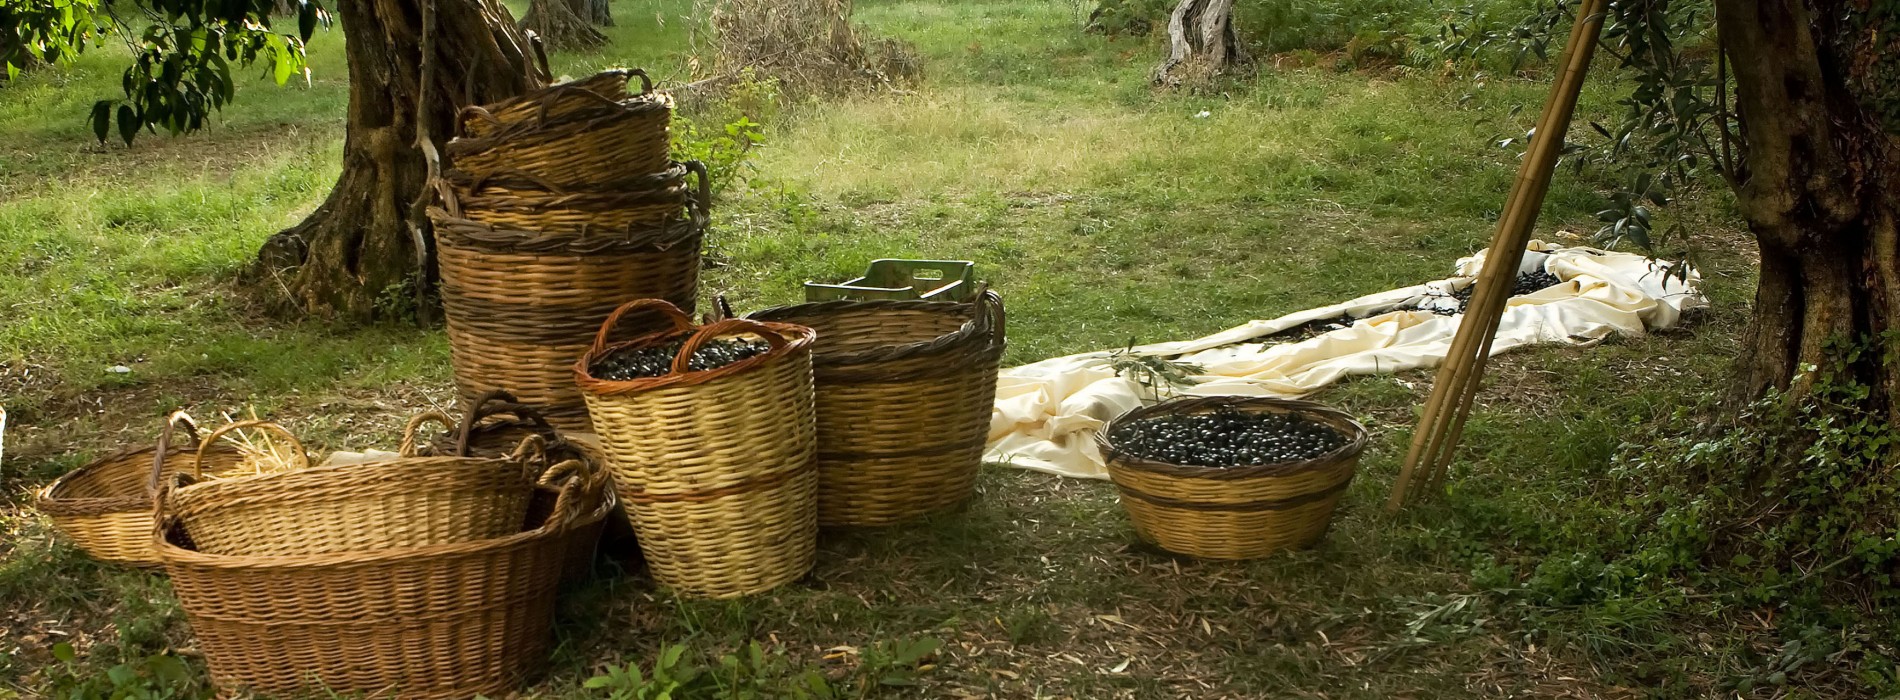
x: 715, y: 468
x: 581, y: 133
x: 522, y: 303
x: 106, y: 505
x: 443, y: 621
x: 404, y: 502
x: 904, y: 395
x: 1238, y: 512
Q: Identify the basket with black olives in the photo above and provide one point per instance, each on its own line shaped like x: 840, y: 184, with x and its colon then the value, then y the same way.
x: 1226, y: 437
x: 630, y: 363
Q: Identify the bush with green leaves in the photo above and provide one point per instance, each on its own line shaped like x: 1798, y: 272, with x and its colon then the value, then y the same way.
x: 155, y: 677
x: 727, y: 149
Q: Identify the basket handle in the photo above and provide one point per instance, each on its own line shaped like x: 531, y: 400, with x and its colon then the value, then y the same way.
x: 990, y: 305
x: 700, y: 205
x: 409, y: 447
x: 198, y: 458
x: 567, y: 503
x: 499, y: 402
x: 533, y: 450
x: 673, y: 313
x: 646, y: 83
x: 177, y: 418
x: 682, y: 361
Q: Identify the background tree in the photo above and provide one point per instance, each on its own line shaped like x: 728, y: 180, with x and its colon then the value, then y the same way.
x: 360, y: 242
x: 564, y: 23
x: 1201, y: 42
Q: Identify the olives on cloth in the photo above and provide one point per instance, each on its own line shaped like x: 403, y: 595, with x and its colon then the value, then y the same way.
x: 1226, y: 438
x: 654, y: 360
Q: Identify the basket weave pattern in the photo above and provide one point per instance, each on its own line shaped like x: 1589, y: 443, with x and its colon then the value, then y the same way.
x: 443, y: 621
x: 715, y: 468
x: 407, y: 502
x: 904, y: 396
x: 1239, y: 512
x: 587, y: 133
x: 106, y: 505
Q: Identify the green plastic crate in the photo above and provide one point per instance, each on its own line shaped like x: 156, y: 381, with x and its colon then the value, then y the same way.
x: 930, y: 280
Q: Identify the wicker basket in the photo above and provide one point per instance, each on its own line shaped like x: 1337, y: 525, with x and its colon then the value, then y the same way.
x: 905, y: 393
x: 411, y: 501
x: 1239, y: 512
x: 495, y: 424
x: 444, y: 621
x: 106, y: 505
x: 515, y: 199
x: 715, y: 468
x: 522, y: 304
x: 570, y: 134
x: 554, y: 102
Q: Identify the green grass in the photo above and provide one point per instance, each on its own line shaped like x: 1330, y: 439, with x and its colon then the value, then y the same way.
x: 1102, y: 210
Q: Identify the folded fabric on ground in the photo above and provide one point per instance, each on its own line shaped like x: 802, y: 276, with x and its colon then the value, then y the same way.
x: 1048, y: 413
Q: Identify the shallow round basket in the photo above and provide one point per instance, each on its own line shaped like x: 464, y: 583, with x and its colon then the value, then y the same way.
x: 905, y: 390
x: 553, y: 103
x: 1238, y: 512
x: 521, y: 304
x: 409, y: 501
x: 583, y: 133
x: 514, y: 198
x: 715, y: 468
x: 106, y: 505
x: 448, y: 621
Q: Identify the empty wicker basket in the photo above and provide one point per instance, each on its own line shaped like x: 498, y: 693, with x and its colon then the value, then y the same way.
x: 106, y: 505
x: 905, y: 391
x: 410, y: 501
x: 715, y: 468
x: 443, y: 621
x: 1237, y: 512
x: 582, y: 133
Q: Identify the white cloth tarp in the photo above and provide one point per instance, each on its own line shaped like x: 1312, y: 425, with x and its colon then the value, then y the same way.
x: 1048, y: 413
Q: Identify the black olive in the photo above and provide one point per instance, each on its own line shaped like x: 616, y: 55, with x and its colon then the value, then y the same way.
x: 655, y: 360
x: 1226, y: 438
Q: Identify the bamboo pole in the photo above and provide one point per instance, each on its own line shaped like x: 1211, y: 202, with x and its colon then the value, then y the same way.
x: 1441, y: 425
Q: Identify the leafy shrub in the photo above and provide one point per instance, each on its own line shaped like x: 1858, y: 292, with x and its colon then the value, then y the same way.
x: 752, y: 673
x: 727, y: 149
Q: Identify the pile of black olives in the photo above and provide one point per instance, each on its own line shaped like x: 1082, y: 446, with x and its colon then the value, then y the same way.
x: 1527, y: 283
x: 654, y: 360
x: 1226, y: 438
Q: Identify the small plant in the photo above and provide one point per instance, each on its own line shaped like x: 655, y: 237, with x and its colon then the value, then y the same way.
x: 755, y: 673
x: 727, y: 150
x: 155, y: 677
x: 671, y: 678
x: 1161, y: 377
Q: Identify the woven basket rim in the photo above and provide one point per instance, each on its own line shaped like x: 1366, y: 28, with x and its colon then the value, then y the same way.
x: 49, y: 501
x: 1356, y: 438
x: 984, y: 325
x: 171, y: 553
x: 795, y: 339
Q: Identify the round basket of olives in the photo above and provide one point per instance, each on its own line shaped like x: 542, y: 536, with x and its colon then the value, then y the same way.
x: 1232, y: 477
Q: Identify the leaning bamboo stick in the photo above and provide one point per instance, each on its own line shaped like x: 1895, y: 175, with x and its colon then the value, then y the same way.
x: 1441, y: 426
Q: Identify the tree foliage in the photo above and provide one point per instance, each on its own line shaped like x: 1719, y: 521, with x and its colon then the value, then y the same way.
x: 183, y: 52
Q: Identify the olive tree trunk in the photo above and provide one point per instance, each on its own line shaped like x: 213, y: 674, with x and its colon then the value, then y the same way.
x: 1201, y: 43
x: 1819, y: 185
x: 358, y: 246
x: 600, y: 13
x: 563, y: 24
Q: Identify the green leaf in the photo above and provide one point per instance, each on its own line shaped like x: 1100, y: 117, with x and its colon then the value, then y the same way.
x: 598, y: 682
x: 128, y: 123
x: 101, y: 119
x: 64, y: 653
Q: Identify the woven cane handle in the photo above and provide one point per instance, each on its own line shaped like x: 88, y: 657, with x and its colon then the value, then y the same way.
x: 410, y: 447
x: 165, y: 445
x: 296, y: 446
x: 531, y: 454
x: 682, y: 362
x: 646, y: 83
x: 701, y: 204
x: 673, y: 313
x: 990, y: 305
x: 499, y: 402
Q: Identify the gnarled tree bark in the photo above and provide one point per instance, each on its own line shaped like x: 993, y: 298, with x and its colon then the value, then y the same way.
x: 600, y: 13
x: 562, y: 23
x: 358, y: 245
x: 1201, y: 43
x: 1819, y: 185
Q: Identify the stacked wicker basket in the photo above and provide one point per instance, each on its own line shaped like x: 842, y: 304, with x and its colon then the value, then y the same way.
x: 561, y: 204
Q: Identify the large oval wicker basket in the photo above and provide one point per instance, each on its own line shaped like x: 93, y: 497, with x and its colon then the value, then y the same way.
x: 583, y: 133
x: 1238, y: 512
x: 443, y: 621
x: 411, y: 501
x: 521, y: 304
x: 715, y: 468
x: 106, y: 505
x: 905, y: 391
